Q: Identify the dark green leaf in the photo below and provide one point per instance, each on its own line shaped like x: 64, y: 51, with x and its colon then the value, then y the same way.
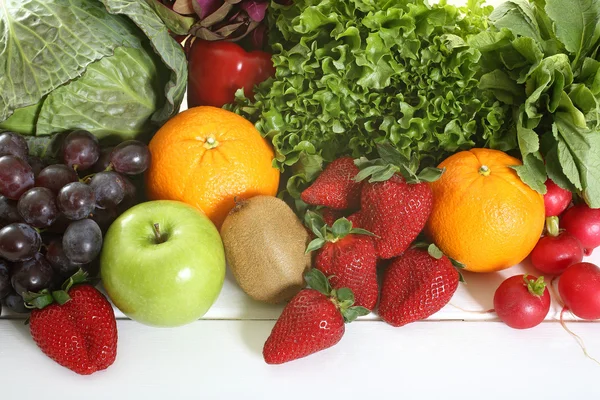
x: 360, y: 231
x: 170, y: 52
x: 315, y: 222
x: 576, y: 24
x: 315, y: 244
x: 345, y: 294
x: 533, y: 173
x: 316, y: 280
x: 175, y: 22
x: 579, y: 154
x: 341, y: 228
x: 430, y: 174
x: 504, y: 87
x: 555, y: 170
x: 434, y: 251
x: 457, y: 264
x: 517, y: 16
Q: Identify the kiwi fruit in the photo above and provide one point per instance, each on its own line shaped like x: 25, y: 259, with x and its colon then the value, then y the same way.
x: 265, y: 245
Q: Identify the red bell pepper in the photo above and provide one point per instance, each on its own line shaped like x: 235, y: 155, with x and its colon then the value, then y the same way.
x: 217, y: 69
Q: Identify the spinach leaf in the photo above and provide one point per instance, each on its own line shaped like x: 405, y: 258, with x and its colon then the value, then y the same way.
x: 576, y: 24
x: 579, y: 155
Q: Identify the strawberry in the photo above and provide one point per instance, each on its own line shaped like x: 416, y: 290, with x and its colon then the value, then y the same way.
x: 335, y: 187
x: 330, y: 215
x: 395, y: 202
x: 355, y: 220
x: 80, y: 331
x: 347, y: 256
x: 415, y: 286
x: 312, y: 321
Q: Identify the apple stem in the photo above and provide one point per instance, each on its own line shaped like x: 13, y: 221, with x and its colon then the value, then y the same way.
x: 159, y: 237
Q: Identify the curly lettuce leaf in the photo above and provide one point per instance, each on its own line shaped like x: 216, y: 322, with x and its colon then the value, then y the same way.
x: 352, y: 74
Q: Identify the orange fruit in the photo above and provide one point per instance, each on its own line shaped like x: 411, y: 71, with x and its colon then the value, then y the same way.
x: 483, y: 214
x: 207, y: 156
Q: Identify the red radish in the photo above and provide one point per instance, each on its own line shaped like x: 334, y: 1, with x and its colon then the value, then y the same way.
x: 583, y: 222
x: 579, y: 288
x: 556, y: 199
x: 522, y: 301
x: 556, y: 251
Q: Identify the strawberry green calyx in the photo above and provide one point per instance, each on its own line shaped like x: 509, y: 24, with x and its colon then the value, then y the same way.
x: 552, y: 226
x: 535, y: 287
x: 436, y: 253
x: 324, y: 233
x: 343, y: 298
x: 391, y: 161
x: 46, y: 297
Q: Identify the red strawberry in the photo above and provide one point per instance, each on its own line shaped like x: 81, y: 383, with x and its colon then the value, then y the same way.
x: 335, y: 187
x: 355, y: 220
x: 415, y: 286
x: 80, y: 333
x: 312, y: 321
x: 347, y: 256
x: 395, y: 202
x: 330, y: 215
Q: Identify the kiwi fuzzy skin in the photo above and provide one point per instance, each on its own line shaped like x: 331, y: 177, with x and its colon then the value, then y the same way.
x: 265, y: 245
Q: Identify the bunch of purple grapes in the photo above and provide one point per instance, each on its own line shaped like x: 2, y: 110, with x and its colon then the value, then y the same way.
x: 53, y: 217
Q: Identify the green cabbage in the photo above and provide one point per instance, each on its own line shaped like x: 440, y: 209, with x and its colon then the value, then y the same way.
x: 355, y: 73
x: 108, y: 66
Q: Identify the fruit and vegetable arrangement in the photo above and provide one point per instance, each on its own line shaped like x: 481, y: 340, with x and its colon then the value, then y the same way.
x: 339, y: 157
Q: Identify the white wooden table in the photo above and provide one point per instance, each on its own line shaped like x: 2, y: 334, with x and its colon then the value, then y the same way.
x: 455, y: 354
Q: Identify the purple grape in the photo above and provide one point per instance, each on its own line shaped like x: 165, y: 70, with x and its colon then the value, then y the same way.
x: 36, y: 164
x: 13, y: 144
x: 19, y: 242
x: 104, y: 217
x: 103, y: 161
x: 76, y: 200
x: 80, y: 150
x: 131, y: 157
x: 38, y: 207
x: 32, y: 275
x: 8, y: 211
x: 59, y: 261
x: 5, y: 286
x: 56, y: 176
x: 60, y: 225
x: 109, y: 188
x: 15, y: 303
x: 82, y: 241
x: 16, y: 177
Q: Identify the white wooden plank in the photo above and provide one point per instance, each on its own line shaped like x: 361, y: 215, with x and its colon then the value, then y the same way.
x: 476, y: 295
x: 222, y: 360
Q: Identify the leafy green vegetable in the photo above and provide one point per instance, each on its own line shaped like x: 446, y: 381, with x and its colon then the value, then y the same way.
x: 541, y: 57
x: 108, y: 66
x: 352, y: 74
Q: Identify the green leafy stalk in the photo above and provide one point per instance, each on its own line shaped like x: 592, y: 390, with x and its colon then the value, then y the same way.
x: 540, y: 58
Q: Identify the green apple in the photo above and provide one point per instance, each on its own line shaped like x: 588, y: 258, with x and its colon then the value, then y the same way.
x: 163, y: 263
